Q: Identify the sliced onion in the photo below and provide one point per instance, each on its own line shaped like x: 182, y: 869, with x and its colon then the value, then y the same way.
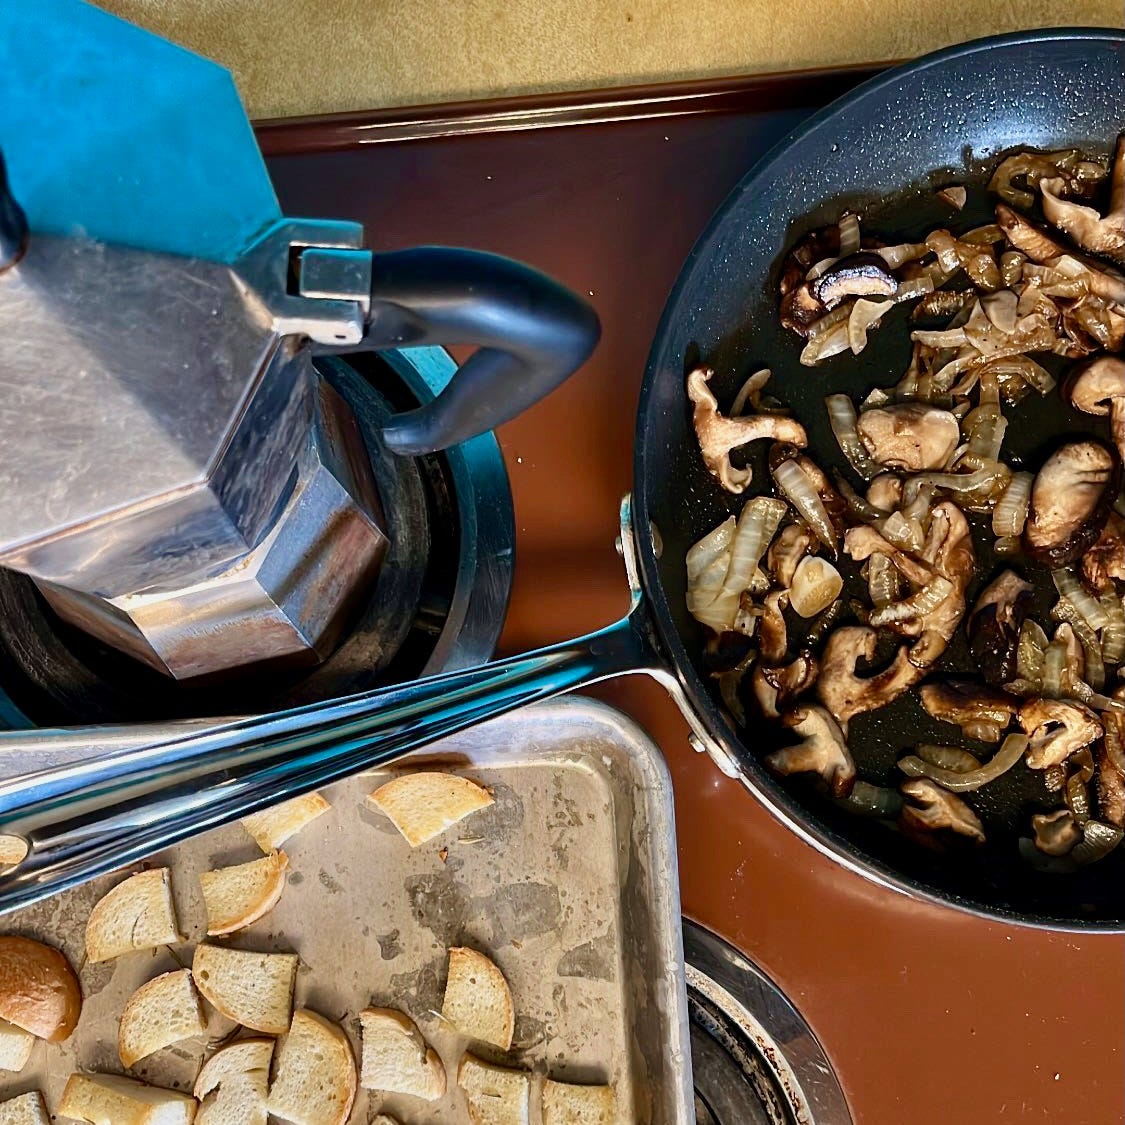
x: 917, y: 502
x: 919, y: 604
x: 971, y: 487
x: 757, y: 525
x: 1054, y: 667
x: 704, y: 601
x: 988, y: 235
x: 820, y: 268
x: 754, y: 383
x: 802, y: 494
x: 1011, y: 267
x: 1066, y: 611
x: 729, y: 683
x: 1010, y: 514
x: 828, y: 343
x: 1023, y: 367
x: 872, y: 800
x: 1010, y: 752
x: 943, y: 338
x: 714, y: 544
x: 824, y: 623
x: 1098, y: 840
x: 884, y: 584
x: 858, y: 506
x: 904, y: 532
x: 718, y: 578
x: 914, y: 287
x: 984, y: 271
x: 829, y: 321
x: 1095, y: 700
x: 863, y: 316
x: 842, y: 419
x: 848, y: 227
x: 1070, y: 588
x: 985, y: 427
x: 1000, y: 308
x: 955, y: 196
x: 1031, y: 653
x: 902, y: 253
x: 944, y: 245
x: 816, y: 585
x: 953, y: 758
x: 1113, y: 635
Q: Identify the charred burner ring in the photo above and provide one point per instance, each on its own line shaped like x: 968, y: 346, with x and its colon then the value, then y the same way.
x: 54, y: 674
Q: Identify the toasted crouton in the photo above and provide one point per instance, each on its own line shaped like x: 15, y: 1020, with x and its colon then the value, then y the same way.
x: 253, y: 989
x: 233, y: 1085
x: 110, y: 1099
x: 496, y: 1094
x: 163, y: 1011
x: 236, y: 896
x: 15, y: 1046
x: 396, y: 1059
x: 272, y: 827
x: 27, y: 1109
x: 315, y: 1083
x: 567, y: 1104
x: 137, y: 914
x: 478, y: 1002
x: 423, y: 805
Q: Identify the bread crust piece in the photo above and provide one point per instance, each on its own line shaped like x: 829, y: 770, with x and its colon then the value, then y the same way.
x: 237, y: 896
x: 221, y: 975
x: 396, y: 1059
x: 478, y: 1001
x: 16, y: 1046
x: 111, y: 1099
x: 497, y: 1095
x: 26, y: 1109
x: 163, y: 1011
x: 138, y: 913
x: 272, y: 827
x: 423, y: 805
x: 39, y: 991
x: 233, y: 1084
x: 567, y: 1104
x: 321, y: 1098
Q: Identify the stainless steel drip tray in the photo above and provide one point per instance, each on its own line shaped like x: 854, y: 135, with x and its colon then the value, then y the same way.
x: 755, y: 1061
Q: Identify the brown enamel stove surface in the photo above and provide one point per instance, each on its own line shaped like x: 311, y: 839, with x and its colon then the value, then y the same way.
x: 928, y: 1015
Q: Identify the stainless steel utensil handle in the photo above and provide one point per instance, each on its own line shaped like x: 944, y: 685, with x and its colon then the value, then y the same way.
x: 87, y: 818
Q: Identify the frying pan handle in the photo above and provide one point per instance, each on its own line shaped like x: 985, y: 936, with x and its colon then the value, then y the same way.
x: 531, y: 334
x: 87, y: 818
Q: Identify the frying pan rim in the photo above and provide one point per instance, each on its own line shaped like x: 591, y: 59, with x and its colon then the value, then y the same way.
x: 789, y: 811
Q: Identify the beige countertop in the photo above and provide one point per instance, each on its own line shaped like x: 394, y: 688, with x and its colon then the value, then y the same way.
x: 318, y: 56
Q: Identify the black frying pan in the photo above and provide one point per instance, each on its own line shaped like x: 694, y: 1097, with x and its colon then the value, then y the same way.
x: 880, y: 151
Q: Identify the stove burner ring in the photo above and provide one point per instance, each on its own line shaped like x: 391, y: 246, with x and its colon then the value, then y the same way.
x: 754, y: 1058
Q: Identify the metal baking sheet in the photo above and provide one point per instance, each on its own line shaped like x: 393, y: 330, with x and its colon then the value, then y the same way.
x: 568, y: 881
